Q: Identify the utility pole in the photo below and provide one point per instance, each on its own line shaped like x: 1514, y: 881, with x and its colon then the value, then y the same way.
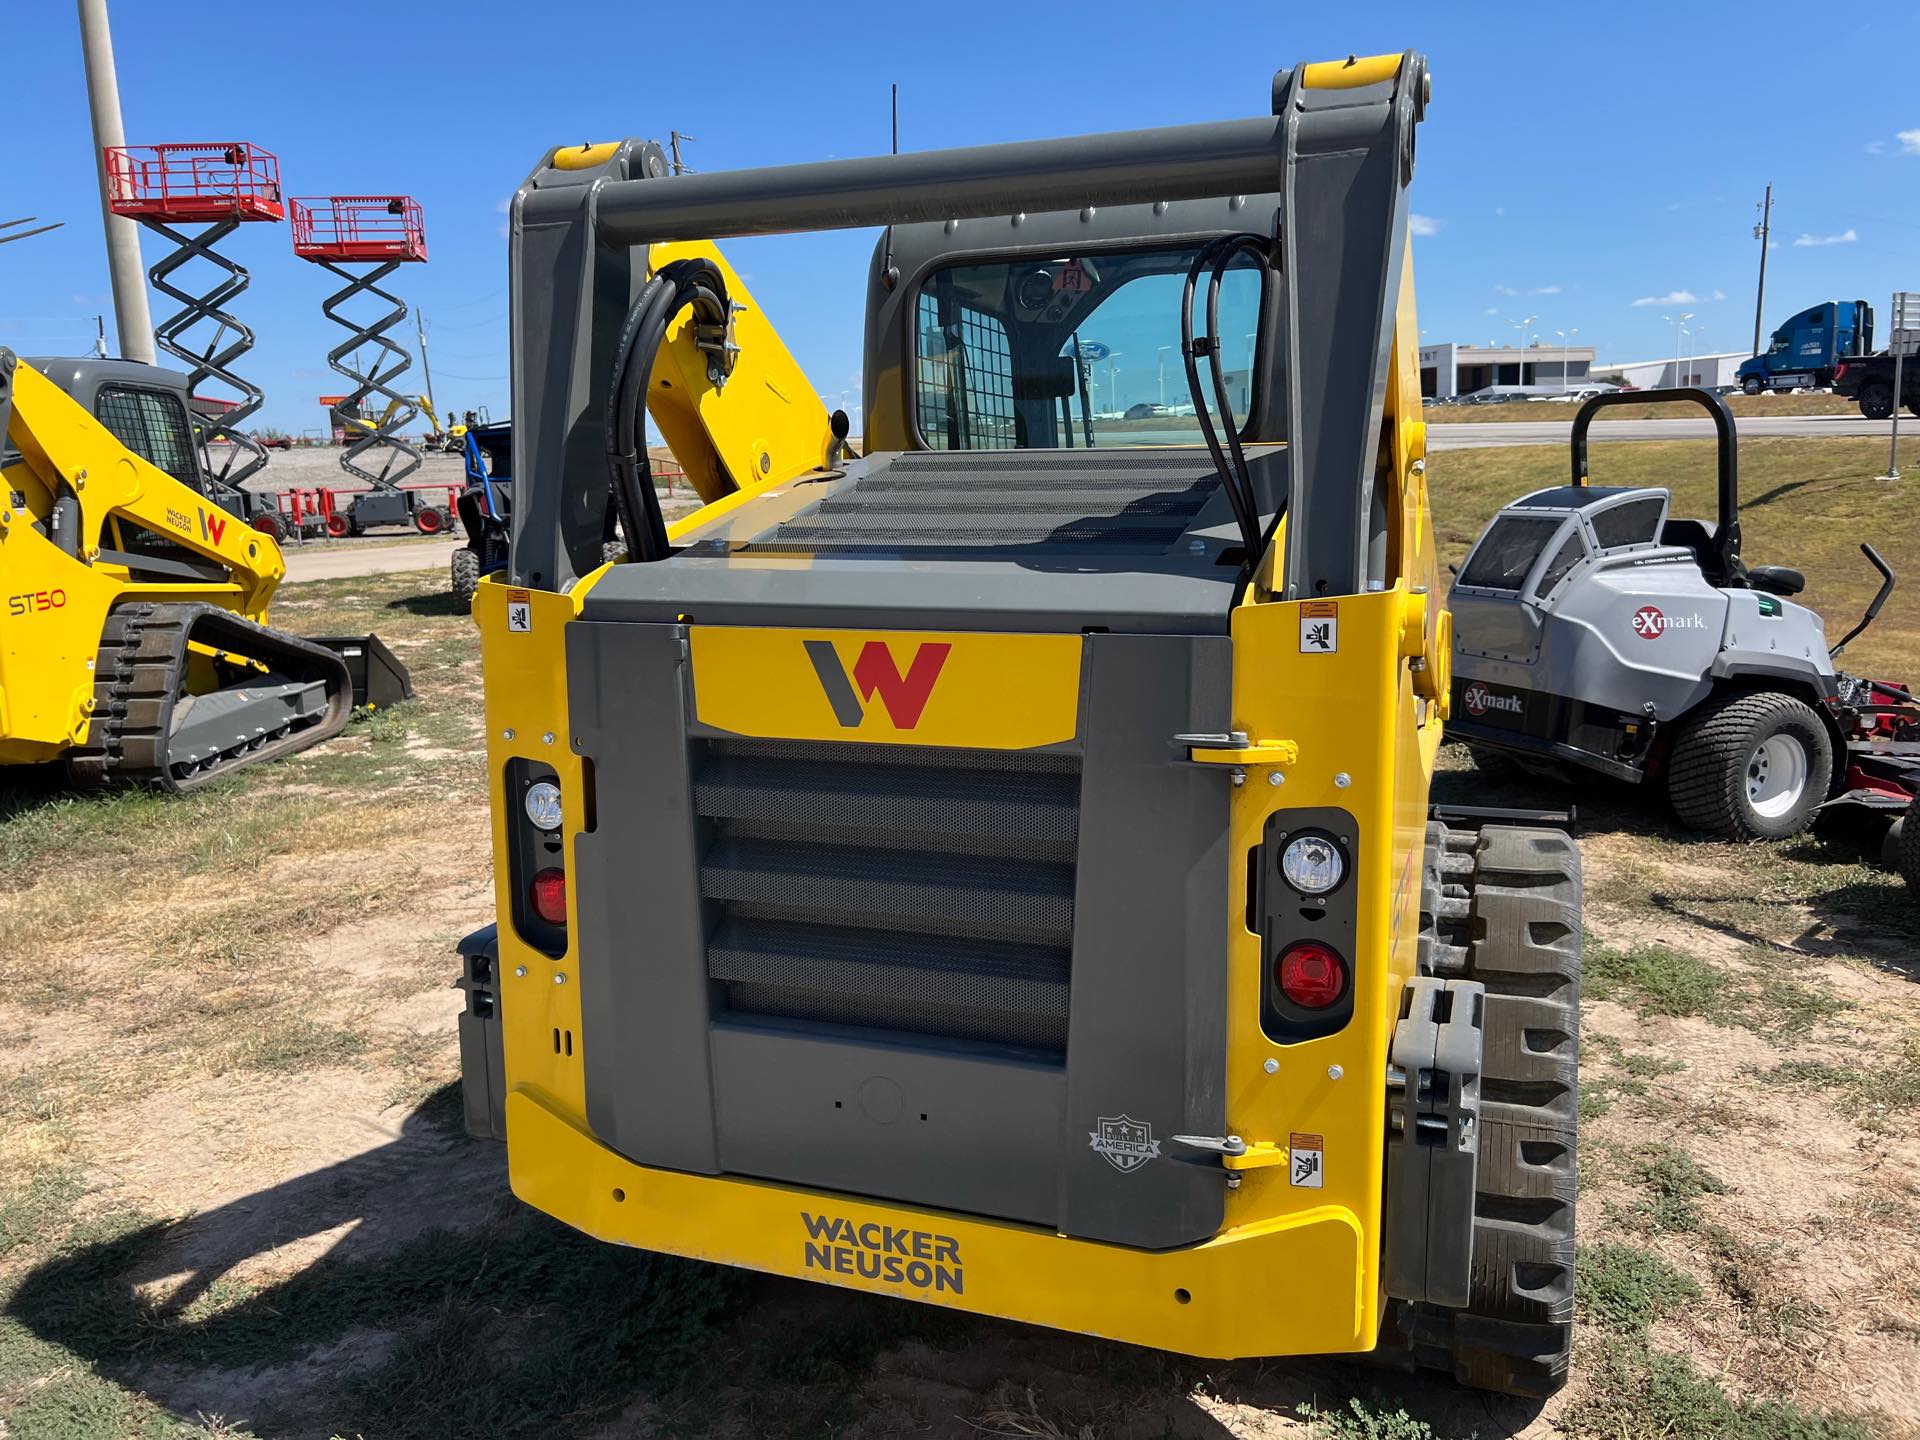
x: 896, y: 117
x: 1760, y: 233
x: 426, y: 373
x: 674, y: 137
x: 100, y: 336
x: 124, y: 268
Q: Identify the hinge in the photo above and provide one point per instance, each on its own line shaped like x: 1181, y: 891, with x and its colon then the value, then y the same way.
x: 1236, y: 1154
x: 1235, y: 748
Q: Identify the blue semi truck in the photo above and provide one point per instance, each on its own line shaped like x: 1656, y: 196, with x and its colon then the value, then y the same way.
x: 1804, y: 351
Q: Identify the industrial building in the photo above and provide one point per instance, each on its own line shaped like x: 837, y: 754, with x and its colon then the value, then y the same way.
x: 1711, y: 371
x: 1447, y: 370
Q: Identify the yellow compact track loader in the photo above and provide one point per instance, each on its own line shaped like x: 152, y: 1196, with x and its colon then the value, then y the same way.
x: 998, y: 870
x: 134, y: 643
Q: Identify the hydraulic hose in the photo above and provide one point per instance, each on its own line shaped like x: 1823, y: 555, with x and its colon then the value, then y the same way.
x: 1232, y: 465
x: 695, y: 284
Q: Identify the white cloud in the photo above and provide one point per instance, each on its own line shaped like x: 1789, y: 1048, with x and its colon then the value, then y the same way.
x: 1909, y: 142
x: 1845, y: 237
x: 1545, y: 290
x: 1876, y: 147
x: 505, y: 205
x: 1423, y: 224
x: 1718, y: 295
x: 1508, y: 290
x: 1672, y: 297
x: 1500, y: 210
x: 1493, y: 309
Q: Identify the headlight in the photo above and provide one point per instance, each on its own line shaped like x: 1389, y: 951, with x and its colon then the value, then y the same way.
x: 1313, y: 864
x: 543, y: 804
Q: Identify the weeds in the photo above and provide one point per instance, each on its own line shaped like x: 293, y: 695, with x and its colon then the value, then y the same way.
x: 1626, y: 1288
x: 1636, y: 1393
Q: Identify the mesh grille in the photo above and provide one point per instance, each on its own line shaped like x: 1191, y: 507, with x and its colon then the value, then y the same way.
x: 1123, y: 503
x: 907, y: 889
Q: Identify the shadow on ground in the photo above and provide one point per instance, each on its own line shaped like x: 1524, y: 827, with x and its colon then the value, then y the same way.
x: 517, y: 1326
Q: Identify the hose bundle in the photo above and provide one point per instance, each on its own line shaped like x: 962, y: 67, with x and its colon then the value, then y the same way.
x: 695, y: 284
x: 1231, y: 461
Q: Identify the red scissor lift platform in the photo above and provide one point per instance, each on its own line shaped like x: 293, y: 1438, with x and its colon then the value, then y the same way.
x: 359, y: 228
x: 194, y: 184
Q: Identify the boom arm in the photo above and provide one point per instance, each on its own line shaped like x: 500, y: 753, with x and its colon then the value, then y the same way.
x: 763, y: 426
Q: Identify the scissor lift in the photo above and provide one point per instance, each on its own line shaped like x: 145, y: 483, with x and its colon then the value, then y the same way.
x: 375, y: 235
x: 218, y: 187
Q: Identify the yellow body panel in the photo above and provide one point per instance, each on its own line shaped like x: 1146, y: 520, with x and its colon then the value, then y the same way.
x: 53, y: 606
x: 1351, y: 72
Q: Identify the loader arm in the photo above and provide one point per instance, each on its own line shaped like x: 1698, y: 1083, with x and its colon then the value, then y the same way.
x: 763, y: 426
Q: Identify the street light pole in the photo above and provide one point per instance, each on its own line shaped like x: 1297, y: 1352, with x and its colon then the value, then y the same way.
x: 125, y: 272
x: 1160, y: 363
x: 1520, y: 366
x: 1566, y: 348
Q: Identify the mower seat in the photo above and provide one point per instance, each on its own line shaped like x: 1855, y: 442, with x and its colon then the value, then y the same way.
x: 1697, y: 536
x: 1776, y: 580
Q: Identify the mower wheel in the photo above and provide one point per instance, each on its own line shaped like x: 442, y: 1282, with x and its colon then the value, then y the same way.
x: 1910, y: 846
x: 466, y: 578
x: 1750, y: 766
x: 1876, y: 400
x: 1502, y: 905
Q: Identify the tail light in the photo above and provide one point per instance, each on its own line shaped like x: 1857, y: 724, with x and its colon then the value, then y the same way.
x: 1839, y: 370
x: 548, y: 896
x: 1311, y: 975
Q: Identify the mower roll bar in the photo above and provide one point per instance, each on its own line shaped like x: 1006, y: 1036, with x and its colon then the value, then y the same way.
x: 1726, y: 540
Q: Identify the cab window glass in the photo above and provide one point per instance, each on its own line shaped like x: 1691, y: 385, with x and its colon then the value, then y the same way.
x: 1507, y: 553
x: 1633, y: 523
x: 153, y: 424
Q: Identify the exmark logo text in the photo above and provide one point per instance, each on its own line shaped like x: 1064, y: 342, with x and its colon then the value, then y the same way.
x: 919, y: 1259
x: 1650, y: 622
x: 903, y: 695
x: 1479, y: 700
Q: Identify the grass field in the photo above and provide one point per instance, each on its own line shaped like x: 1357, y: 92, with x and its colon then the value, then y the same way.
x: 235, y: 1200
x: 1741, y: 405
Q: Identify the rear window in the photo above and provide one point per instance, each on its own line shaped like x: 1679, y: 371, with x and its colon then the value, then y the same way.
x: 153, y: 424
x: 1507, y: 553
x: 1633, y: 523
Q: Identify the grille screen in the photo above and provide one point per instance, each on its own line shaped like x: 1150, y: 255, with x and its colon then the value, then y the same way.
x: 921, y: 890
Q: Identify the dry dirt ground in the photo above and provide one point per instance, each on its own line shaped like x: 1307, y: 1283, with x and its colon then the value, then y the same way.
x: 235, y: 1199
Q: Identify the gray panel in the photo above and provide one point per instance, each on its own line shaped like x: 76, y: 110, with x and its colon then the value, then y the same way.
x: 642, y: 943
x: 972, y: 1133
x: 1147, y: 1038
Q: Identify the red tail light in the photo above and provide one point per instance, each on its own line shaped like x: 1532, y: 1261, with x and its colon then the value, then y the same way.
x: 1311, y: 975
x: 549, y: 896
x: 1839, y: 370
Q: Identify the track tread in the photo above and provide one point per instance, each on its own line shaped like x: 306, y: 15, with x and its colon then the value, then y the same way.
x: 1707, y: 771
x: 1521, y: 939
x: 136, y: 678
x: 1910, y: 846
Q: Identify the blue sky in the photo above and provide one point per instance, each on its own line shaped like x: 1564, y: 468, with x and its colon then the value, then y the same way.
x: 1575, y: 161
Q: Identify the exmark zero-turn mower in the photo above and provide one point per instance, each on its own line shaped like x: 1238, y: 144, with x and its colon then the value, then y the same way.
x: 1594, y: 630
x: 996, y: 870
x: 134, y: 642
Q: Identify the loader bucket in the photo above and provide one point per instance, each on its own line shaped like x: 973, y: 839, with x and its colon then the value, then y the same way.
x: 379, y: 679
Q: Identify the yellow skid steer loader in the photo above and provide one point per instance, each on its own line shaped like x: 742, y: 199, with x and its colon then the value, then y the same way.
x: 997, y: 870
x: 134, y: 643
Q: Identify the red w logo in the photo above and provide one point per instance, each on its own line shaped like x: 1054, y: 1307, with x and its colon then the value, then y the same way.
x: 212, y: 527
x: 903, y: 697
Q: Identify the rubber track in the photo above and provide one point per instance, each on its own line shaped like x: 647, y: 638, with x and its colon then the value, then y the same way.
x: 136, y: 678
x: 1910, y: 846
x: 1708, y: 766
x: 1515, y: 918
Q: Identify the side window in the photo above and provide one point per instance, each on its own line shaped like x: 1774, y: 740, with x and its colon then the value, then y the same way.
x: 1565, y: 558
x: 964, y: 390
x: 153, y: 424
x: 1507, y: 552
x: 1634, y: 523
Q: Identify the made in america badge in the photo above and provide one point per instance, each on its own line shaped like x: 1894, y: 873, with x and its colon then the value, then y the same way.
x: 1126, y: 1143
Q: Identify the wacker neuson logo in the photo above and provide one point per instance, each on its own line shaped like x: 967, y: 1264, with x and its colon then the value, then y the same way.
x: 893, y: 1253
x: 902, y: 696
